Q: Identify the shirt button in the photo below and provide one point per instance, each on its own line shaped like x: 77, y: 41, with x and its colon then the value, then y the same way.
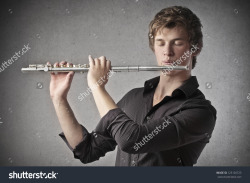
x: 95, y: 135
x: 133, y: 163
x: 207, y: 135
x: 148, y: 118
x: 179, y: 160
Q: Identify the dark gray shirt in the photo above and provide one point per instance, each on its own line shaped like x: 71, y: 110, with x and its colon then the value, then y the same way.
x: 172, y: 133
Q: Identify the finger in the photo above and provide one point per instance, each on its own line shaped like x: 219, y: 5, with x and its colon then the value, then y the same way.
x: 63, y: 63
x: 69, y: 64
x: 91, y: 61
x: 102, y: 58
x: 56, y: 64
x: 108, y: 64
x: 97, y: 62
x: 102, y: 61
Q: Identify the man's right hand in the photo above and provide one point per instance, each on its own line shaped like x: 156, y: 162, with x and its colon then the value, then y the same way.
x: 60, y: 83
x: 59, y: 87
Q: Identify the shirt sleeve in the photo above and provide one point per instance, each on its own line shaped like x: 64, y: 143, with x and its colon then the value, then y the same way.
x: 190, y: 124
x: 93, y: 146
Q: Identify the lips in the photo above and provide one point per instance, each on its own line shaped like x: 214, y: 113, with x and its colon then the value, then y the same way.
x: 167, y: 62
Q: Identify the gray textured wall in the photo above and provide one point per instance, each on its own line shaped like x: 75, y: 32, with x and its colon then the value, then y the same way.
x: 71, y: 30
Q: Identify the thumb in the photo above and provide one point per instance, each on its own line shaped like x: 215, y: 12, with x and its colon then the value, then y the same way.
x: 70, y: 76
x: 52, y: 76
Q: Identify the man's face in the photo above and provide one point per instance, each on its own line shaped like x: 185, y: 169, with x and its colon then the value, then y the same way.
x: 170, y: 45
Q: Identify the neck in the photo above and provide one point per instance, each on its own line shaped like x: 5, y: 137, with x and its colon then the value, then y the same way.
x: 169, y: 83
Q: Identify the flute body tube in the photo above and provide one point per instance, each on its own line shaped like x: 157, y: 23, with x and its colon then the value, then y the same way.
x: 85, y: 67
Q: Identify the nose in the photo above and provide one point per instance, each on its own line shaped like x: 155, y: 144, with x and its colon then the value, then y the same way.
x: 168, y: 50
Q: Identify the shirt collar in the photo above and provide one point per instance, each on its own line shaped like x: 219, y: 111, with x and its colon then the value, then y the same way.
x: 187, y: 88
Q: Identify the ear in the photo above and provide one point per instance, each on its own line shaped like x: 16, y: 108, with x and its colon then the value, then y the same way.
x: 196, y: 53
x: 195, y: 49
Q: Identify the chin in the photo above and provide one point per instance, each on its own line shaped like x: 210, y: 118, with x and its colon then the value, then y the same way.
x: 167, y: 73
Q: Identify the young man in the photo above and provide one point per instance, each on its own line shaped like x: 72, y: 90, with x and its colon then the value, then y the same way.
x: 167, y: 122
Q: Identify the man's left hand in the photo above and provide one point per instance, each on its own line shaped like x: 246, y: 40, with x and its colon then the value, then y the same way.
x: 98, y: 72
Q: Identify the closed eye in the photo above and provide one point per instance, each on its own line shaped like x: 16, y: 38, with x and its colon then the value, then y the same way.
x: 178, y: 43
x: 160, y: 43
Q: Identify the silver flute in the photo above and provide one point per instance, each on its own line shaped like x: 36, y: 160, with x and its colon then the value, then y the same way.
x: 85, y: 67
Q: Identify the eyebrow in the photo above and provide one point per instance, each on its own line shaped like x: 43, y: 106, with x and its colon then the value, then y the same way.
x: 176, y: 39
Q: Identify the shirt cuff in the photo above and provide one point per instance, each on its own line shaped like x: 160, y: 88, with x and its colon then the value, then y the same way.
x: 78, y: 148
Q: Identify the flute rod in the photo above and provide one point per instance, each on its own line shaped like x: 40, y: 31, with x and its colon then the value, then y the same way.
x: 85, y: 67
